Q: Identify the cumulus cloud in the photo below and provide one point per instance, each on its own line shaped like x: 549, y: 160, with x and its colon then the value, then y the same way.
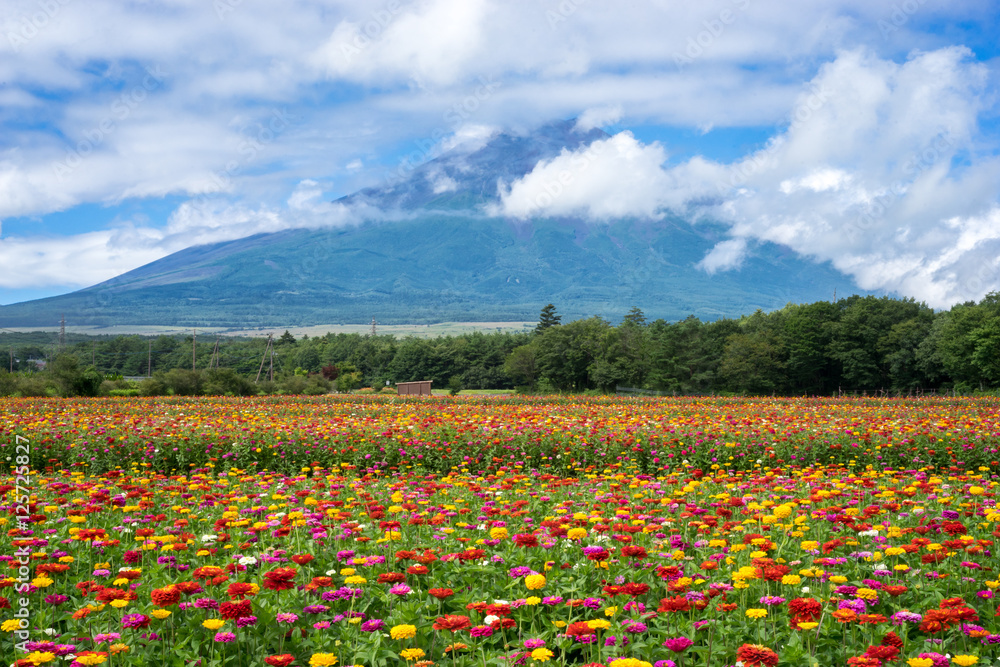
x: 880, y: 171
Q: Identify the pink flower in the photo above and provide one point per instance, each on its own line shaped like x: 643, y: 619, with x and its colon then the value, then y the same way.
x: 678, y: 644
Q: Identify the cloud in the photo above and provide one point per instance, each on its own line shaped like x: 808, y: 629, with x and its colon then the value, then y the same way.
x: 882, y: 170
x: 726, y: 255
x: 611, y: 178
x: 598, y: 117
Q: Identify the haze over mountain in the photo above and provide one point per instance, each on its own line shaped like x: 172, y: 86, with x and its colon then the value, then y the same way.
x: 431, y: 246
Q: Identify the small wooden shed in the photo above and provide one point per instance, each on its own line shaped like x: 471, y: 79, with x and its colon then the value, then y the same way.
x: 420, y: 388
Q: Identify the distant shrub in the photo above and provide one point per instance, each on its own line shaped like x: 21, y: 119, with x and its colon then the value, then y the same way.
x: 152, y: 387
x: 388, y: 390
x: 366, y: 390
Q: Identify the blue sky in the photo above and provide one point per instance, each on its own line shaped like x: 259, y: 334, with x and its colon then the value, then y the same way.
x: 857, y: 132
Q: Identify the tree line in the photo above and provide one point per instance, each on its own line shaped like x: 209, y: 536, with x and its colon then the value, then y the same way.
x: 856, y: 344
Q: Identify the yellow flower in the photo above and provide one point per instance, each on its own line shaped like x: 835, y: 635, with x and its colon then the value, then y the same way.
x: 598, y: 624
x: 532, y: 601
x: 838, y: 579
x: 41, y: 582
x: 965, y: 660
x: 118, y: 648
x: 322, y: 660
x: 355, y: 580
x: 756, y: 613
x: 347, y: 571
x: 534, y: 581
x: 41, y: 657
x: 498, y: 533
x: 119, y: 604
x: 576, y: 533
x: 791, y: 580
x: 411, y: 653
x: 541, y: 654
x: 920, y: 662
x: 611, y: 611
x: 160, y: 614
x: 213, y: 623
x: 866, y: 594
x: 808, y: 626
x: 403, y: 631
x: 976, y: 491
x: 11, y: 625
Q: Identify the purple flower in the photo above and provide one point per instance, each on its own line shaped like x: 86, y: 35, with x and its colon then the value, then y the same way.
x: 56, y: 600
x: 316, y: 609
x: 206, y: 603
x: 373, y: 625
x: 245, y: 621
x: 771, y: 600
x: 520, y: 571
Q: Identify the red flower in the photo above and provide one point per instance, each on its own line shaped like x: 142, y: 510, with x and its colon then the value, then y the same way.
x: 282, y: 660
x: 208, y: 572
x: 579, y: 629
x: 417, y: 569
x: 674, y: 604
x: 755, y: 655
x: 526, y: 540
x: 635, y: 589
x: 165, y: 597
x: 302, y: 559
x: 391, y: 578
x: 280, y: 579
x: 452, y: 623
x: 238, y: 591
x: 235, y: 610
x: 634, y: 552
x: 440, y: 593
x: 892, y: 639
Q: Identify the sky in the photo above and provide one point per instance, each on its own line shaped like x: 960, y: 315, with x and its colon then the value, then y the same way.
x: 857, y: 132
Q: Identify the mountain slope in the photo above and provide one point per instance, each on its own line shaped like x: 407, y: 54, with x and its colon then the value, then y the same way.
x: 446, y: 262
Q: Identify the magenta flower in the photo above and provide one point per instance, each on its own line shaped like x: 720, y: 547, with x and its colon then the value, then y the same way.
x: 225, y: 637
x: 678, y: 644
x: 532, y: 644
x: 400, y: 589
x: 286, y: 618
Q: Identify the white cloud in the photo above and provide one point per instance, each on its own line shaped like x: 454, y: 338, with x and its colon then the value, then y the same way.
x: 611, y: 178
x: 598, y: 117
x: 879, y: 171
x: 724, y: 256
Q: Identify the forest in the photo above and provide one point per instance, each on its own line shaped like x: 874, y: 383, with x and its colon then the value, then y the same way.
x: 854, y: 345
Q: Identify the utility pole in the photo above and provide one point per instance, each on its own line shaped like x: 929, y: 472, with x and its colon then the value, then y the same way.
x: 262, y: 359
x: 270, y: 369
x: 194, y: 340
x: 214, y: 363
x: 149, y: 360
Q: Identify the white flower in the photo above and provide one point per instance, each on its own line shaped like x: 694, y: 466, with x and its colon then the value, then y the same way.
x: 209, y: 538
x: 489, y: 619
x: 247, y: 560
x: 805, y: 590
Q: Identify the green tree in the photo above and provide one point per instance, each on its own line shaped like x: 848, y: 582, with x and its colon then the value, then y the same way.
x: 547, y: 319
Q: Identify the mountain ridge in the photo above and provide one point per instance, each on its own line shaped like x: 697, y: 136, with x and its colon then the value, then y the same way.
x: 445, y: 259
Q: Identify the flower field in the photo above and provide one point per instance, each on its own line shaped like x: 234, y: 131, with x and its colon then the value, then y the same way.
x: 577, y: 531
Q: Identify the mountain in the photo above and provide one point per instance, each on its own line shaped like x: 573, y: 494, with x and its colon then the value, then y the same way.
x: 445, y: 260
